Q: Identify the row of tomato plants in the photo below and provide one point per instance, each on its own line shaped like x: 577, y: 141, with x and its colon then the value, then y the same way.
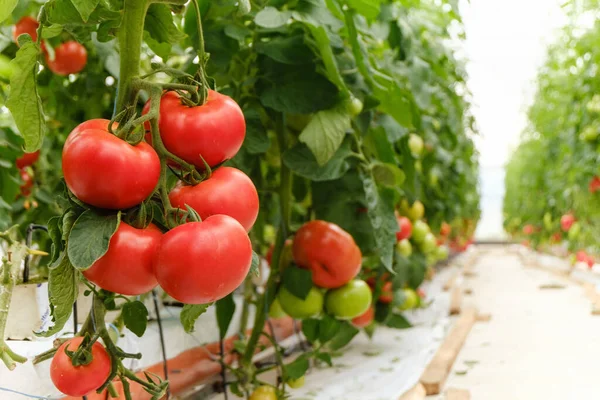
x: 552, y: 178
x: 174, y: 145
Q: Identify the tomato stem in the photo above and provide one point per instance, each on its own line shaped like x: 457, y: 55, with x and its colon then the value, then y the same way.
x: 202, y: 57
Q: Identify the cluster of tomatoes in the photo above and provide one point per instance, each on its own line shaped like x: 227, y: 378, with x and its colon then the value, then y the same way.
x: 69, y: 57
x: 23, y: 164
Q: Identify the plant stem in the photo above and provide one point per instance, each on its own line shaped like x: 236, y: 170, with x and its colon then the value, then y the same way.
x: 130, y: 48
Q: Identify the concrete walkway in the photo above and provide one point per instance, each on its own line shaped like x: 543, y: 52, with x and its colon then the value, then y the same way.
x: 541, y: 344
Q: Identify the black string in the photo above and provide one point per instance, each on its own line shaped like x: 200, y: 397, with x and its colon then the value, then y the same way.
x: 28, y: 240
x: 162, y: 340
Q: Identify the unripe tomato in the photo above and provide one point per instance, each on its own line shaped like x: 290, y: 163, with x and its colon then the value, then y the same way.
x: 589, y: 134
x: 28, y: 25
x: 420, y: 230
x: 296, y: 383
x: 350, y: 300
x: 264, y: 393
x: 566, y: 222
x: 411, y: 299
x: 228, y: 191
x: 69, y: 58
x: 105, y: 171
x: 365, y: 319
x: 298, y: 308
x: 429, y: 243
x: 405, y: 228
x: 404, y: 247
x: 442, y: 253
x: 202, y: 262
x: 417, y: 211
x: 548, y: 221
x: 127, y: 267
x: 355, y: 106
x: 415, y: 144
x: 214, y: 130
x: 80, y: 380
x: 329, y: 252
x: 276, y: 311
x: 574, y: 231
x: 387, y: 293
x: 27, y: 159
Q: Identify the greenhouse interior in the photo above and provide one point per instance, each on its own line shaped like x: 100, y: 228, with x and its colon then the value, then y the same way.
x: 299, y: 199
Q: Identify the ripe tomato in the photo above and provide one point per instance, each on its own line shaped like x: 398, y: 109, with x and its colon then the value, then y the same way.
x: 581, y: 256
x: 445, y: 229
x: 528, y: 229
x: 328, y: 251
x: 80, y: 380
x: 264, y: 393
x: 566, y: 221
x: 387, y: 293
x: 594, y: 184
x: 350, y: 300
x: 69, y: 58
x: 201, y: 262
x: 27, y: 182
x: 26, y: 25
x: 405, y: 227
x: 299, y: 308
x: 127, y: 267
x: 27, y: 159
x: 365, y: 319
x: 105, y: 171
x: 215, y: 130
x: 228, y: 191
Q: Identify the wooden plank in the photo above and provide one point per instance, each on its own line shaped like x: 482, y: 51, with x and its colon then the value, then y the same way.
x: 456, y: 300
x: 437, y: 371
x: 450, y: 282
x: 416, y: 393
x: 458, y: 394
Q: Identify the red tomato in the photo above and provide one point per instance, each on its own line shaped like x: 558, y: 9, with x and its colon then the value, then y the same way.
x: 201, y: 262
x: 329, y: 252
x: 590, y: 261
x: 581, y: 256
x: 27, y: 180
x: 127, y: 267
x: 566, y: 221
x: 594, y: 184
x: 364, y: 319
x: 69, y: 58
x: 528, y: 229
x: 215, y: 130
x: 107, y: 172
x: 556, y: 237
x: 228, y: 191
x: 387, y: 295
x: 421, y: 293
x: 405, y: 227
x: 80, y: 380
x: 27, y: 159
x: 26, y: 25
x: 445, y: 229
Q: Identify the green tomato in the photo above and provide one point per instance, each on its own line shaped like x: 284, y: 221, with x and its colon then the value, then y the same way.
x: 433, y: 178
x: 415, y: 144
x: 355, y: 106
x: 404, y: 247
x: 429, y: 243
x: 574, y: 231
x: 418, y: 166
x: 416, y: 211
x: 589, y: 134
x: 264, y: 393
x: 296, y: 383
x: 420, y: 230
x: 276, y: 311
x: 431, y: 259
x: 297, y: 308
x: 411, y: 299
x: 350, y: 300
x: 442, y: 253
x: 548, y: 221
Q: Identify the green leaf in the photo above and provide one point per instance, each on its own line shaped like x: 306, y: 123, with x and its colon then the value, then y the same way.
x: 303, y: 162
x: 23, y: 101
x: 380, y: 209
x: 397, y: 321
x: 56, y: 237
x: 367, y: 8
x: 254, y: 270
x: 343, y: 337
x: 310, y: 329
x: 328, y: 328
x: 393, y: 130
x: 62, y: 293
x: 388, y: 174
x: 286, y: 50
x: 325, y: 49
x: 270, y: 17
x: 382, y: 147
x: 395, y: 102
x: 298, y: 281
x: 257, y: 141
x: 325, y: 357
x: 162, y: 29
x: 325, y: 132
x: 135, y: 317
x: 90, y: 237
x: 6, y: 8
x: 244, y: 7
x: 225, y: 311
x: 297, y: 368
x: 189, y: 315
x: 64, y: 12
x: 85, y: 7
x: 51, y: 31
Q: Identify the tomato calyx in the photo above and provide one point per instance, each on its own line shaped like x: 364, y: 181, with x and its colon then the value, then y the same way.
x: 83, y: 354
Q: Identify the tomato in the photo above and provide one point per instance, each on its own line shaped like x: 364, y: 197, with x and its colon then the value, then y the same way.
x: 27, y: 25
x: 80, y: 380
x: 365, y: 319
x: 581, y: 256
x: 442, y: 253
x: 411, y: 299
x: 298, y: 308
x: 594, y: 184
x: 69, y: 58
x: 105, y: 171
x: 215, y: 130
x: 574, y: 231
x: 589, y: 134
x: 127, y: 267
x: 202, y: 262
x: 590, y: 261
x: 420, y: 230
x: 421, y: 293
x: 329, y: 252
x: 27, y: 182
x: 228, y: 191
x: 445, y: 229
x: 556, y: 237
x: 27, y: 159
x: 429, y: 243
x: 417, y: 211
x: 404, y: 247
x: 415, y: 144
x: 566, y: 221
x: 387, y: 294
x: 276, y: 311
x: 296, y: 383
x: 350, y: 300
x: 405, y: 227
x: 264, y: 393
x: 355, y: 106
x: 528, y: 229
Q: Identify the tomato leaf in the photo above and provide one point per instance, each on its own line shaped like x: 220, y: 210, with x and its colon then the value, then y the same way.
x: 64, y: 12
x: 343, y: 337
x: 387, y: 174
x: 254, y: 267
x: 270, y: 17
x: 324, y: 47
x: 23, y: 101
x: 56, y: 236
x: 225, y: 311
x: 286, y: 50
x: 367, y: 8
x: 85, y: 7
x: 325, y: 357
x: 51, y: 31
x: 244, y: 7
x: 135, y: 317
x: 328, y: 328
x: 257, y: 141
x: 297, y: 368
x: 90, y: 237
x: 325, y: 132
x: 303, y: 162
x: 162, y: 29
x: 310, y: 329
x: 298, y: 281
x: 189, y: 315
x: 62, y: 293
x: 6, y: 8
x: 397, y: 321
